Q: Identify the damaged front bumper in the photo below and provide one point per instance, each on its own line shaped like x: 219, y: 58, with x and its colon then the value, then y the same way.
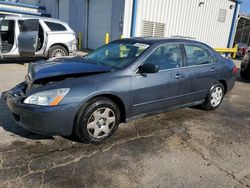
x: 44, y: 120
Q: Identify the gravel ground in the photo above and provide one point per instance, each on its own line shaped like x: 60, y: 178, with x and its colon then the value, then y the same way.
x: 183, y: 148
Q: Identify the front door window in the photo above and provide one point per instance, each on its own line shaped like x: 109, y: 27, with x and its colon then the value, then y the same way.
x: 166, y: 57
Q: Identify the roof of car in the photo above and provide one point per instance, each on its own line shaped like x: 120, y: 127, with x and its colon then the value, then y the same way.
x: 155, y: 40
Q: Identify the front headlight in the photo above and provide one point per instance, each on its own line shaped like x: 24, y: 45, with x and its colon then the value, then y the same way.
x: 47, y: 98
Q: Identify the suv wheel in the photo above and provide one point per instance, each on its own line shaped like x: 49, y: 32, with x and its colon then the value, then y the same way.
x: 57, y: 51
x: 215, y: 97
x: 97, y: 121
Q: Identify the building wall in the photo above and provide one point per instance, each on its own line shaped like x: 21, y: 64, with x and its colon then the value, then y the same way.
x: 63, y: 13
x: 99, y: 23
x: 117, y: 21
x: 128, y: 7
x: 186, y: 18
x: 76, y: 15
x: 71, y: 11
x: 78, y: 18
x: 51, y: 7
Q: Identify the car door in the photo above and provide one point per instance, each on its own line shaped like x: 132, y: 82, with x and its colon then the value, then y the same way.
x: 201, y: 68
x: 161, y: 90
x: 28, y: 38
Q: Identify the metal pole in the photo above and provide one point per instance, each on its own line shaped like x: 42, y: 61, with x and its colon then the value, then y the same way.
x: 87, y: 24
x: 79, y: 40
x: 107, y: 38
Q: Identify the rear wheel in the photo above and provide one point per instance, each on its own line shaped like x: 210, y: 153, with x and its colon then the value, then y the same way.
x: 215, y: 97
x: 57, y: 51
x: 97, y: 121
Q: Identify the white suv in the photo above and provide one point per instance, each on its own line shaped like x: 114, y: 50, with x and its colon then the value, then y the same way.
x: 30, y: 36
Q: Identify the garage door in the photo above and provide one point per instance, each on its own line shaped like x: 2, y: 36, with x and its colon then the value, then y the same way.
x: 100, y: 12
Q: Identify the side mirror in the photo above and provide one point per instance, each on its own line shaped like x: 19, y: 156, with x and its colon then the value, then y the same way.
x: 148, y: 68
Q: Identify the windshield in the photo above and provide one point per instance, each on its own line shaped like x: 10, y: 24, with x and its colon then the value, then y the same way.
x: 118, y: 55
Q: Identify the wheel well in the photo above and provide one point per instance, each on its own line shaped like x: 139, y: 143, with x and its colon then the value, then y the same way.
x: 60, y: 44
x: 119, y: 103
x: 224, y: 83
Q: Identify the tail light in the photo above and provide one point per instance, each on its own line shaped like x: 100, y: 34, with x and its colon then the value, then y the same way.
x: 235, y: 70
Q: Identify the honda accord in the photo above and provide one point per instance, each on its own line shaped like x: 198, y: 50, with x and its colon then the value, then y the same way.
x: 123, y: 80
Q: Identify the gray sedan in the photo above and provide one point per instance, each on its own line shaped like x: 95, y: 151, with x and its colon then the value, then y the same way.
x: 121, y: 81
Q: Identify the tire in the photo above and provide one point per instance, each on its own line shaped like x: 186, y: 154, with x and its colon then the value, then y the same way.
x: 97, y: 120
x: 244, y: 74
x: 57, y: 51
x: 215, y: 97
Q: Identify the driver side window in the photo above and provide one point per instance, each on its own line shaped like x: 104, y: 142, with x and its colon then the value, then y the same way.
x: 166, y: 57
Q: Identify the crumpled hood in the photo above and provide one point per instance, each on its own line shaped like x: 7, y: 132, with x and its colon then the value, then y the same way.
x: 64, y: 68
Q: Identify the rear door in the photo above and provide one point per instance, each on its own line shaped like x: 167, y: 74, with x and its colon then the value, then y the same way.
x: 28, y: 38
x: 202, y: 71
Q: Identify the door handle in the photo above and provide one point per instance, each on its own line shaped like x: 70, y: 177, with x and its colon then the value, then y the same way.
x: 213, y: 69
x: 178, y: 76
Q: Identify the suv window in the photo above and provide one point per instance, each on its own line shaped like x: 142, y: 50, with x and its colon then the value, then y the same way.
x: 55, y: 26
x: 7, y: 25
x: 166, y: 57
x: 28, y: 25
x: 197, y: 55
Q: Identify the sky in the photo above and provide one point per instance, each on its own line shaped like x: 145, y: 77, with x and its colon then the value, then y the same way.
x: 245, y: 6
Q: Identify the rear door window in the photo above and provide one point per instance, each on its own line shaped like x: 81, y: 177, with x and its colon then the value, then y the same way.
x: 55, y: 26
x: 197, y: 55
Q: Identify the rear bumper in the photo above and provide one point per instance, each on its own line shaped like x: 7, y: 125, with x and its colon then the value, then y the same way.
x: 43, y: 120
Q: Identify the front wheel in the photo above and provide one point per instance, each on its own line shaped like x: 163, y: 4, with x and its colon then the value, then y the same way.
x: 97, y: 121
x: 215, y: 97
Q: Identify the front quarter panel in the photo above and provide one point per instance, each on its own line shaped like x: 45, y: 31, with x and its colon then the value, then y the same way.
x: 84, y: 88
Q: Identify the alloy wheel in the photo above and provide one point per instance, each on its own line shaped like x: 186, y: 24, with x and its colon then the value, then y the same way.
x: 101, y: 122
x: 216, y: 96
